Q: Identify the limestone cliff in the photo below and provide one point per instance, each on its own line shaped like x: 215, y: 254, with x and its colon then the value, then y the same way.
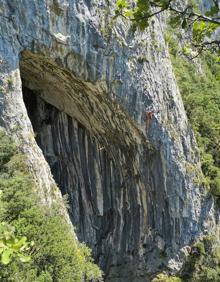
x: 80, y: 84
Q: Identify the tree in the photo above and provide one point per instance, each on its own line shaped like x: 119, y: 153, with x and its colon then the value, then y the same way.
x: 188, y: 17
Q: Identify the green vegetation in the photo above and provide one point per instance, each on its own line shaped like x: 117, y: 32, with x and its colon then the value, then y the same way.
x: 12, y: 247
x: 163, y: 277
x: 202, y: 265
x: 10, y: 83
x: 55, y: 254
x: 200, y: 90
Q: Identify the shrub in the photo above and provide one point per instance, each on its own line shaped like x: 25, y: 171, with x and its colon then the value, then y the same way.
x: 203, y: 267
x: 162, y: 277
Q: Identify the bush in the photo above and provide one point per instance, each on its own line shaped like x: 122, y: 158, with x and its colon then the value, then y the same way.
x: 162, y: 277
x: 203, y: 267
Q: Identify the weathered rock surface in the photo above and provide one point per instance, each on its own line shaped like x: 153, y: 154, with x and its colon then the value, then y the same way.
x: 87, y: 84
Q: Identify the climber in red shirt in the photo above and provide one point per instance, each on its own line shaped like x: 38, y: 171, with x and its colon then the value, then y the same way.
x: 148, y: 117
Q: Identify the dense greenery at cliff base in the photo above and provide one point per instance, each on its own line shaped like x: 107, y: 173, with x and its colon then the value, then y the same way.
x: 55, y: 255
x: 202, y: 264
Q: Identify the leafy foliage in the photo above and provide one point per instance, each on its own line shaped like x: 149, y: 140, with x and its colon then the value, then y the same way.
x: 10, y: 246
x: 56, y: 255
x: 187, y: 17
x: 203, y: 29
x: 162, y: 277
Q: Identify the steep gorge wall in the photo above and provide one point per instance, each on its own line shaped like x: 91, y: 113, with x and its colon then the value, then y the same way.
x: 134, y: 192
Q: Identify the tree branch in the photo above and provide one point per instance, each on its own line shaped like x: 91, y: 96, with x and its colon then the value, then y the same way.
x: 169, y: 7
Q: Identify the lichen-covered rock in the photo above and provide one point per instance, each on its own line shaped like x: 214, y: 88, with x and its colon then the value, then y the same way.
x: 109, y: 119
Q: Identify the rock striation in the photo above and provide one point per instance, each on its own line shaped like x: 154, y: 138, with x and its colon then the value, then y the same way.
x: 76, y: 90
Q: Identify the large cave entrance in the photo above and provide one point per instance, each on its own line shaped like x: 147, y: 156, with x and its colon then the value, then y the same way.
x: 100, y: 205
x: 80, y: 166
x: 103, y: 163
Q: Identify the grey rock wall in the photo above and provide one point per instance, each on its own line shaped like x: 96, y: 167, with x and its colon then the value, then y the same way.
x: 87, y: 83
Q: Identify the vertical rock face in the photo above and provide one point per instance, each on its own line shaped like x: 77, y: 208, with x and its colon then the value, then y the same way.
x: 88, y: 85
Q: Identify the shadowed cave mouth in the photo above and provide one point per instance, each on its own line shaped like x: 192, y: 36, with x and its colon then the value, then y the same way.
x: 84, y: 171
x: 112, y: 195
x: 81, y: 168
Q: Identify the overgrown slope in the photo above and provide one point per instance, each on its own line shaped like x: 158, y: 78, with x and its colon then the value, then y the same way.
x: 56, y: 254
x: 200, y: 89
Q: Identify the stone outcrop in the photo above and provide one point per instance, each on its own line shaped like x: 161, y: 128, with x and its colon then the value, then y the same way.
x: 83, y: 85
